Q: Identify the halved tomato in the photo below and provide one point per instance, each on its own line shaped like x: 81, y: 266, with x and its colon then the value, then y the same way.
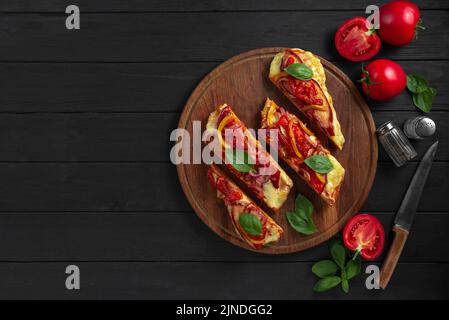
x: 355, y: 42
x: 365, y: 235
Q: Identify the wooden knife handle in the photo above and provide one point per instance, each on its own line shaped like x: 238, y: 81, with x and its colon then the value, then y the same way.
x: 390, y: 262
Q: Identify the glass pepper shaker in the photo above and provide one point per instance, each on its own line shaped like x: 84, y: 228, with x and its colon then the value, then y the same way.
x: 395, y: 143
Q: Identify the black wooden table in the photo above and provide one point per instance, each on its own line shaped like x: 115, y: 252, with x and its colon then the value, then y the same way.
x: 85, y: 117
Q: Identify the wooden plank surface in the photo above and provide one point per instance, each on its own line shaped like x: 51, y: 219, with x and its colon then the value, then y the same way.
x: 84, y: 123
x: 151, y: 87
x: 217, y: 280
x: 198, y: 5
x: 93, y: 236
x: 133, y: 136
x: 195, y: 36
x: 133, y: 186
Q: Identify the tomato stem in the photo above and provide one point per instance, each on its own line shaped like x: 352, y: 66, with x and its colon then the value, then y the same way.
x: 419, y: 26
x: 367, y: 80
x: 357, y: 252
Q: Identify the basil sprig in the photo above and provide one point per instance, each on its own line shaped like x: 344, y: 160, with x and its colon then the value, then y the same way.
x: 422, y: 94
x: 336, y: 271
x: 319, y: 163
x: 250, y: 223
x: 301, y: 218
x: 239, y: 159
x: 299, y: 71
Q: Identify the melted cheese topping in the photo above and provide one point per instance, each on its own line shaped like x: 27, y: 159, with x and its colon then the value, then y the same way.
x: 311, y: 61
x: 274, y: 231
x: 274, y: 198
x: 334, y: 177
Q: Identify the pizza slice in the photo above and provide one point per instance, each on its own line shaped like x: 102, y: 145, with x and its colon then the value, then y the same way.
x: 307, y: 90
x: 247, y: 160
x: 250, y: 222
x: 296, y: 143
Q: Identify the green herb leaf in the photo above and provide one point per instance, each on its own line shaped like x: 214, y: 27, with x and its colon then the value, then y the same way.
x: 338, y: 253
x: 423, y: 95
x: 301, y: 225
x: 303, y: 207
x: 326, y: 283
x: 250, y: 223
x: 353, y: 268
x: 239, y: 159
x: 324, y: 268
x: 319, y: 163
x: 424, y: 100
x: 299, y: 71
x: 345, y: 285
x: 416, y: 83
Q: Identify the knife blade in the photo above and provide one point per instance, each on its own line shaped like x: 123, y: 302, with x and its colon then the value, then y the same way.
x: 406, y: 213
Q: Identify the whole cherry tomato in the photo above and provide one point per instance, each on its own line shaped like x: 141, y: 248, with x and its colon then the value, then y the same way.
x: 383, y: 79
x: 399, y: 21
x: 355, y: 42
x: 365, y: 235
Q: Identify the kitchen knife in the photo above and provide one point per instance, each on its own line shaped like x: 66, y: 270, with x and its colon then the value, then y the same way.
x: 404, y: 217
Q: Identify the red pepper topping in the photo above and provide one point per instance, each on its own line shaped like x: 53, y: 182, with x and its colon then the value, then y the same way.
x: 305, y: 91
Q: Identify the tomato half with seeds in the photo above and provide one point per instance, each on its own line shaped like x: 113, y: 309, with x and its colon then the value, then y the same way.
x: 355, y: 42
x: 365, y: 235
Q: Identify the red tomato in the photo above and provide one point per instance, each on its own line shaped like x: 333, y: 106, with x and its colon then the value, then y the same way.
x: 364, y: 234
x: 399, y: 21
x: 355, y: 42
x: 383, y: 79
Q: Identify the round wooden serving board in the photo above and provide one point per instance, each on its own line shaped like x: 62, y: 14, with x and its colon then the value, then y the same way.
x: 243, y: 82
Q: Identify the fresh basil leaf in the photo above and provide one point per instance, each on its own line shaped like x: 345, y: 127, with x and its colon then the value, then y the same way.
x: 319, y: 163
x: 345, y: 285
x: 338, y: 253
x: 353, y: 268
x: 326, y: 283
x: 239, y: 159
x: 299, y: 71
x: 301, y: 225
x: 324, y: 268
x: 416, y: 83
x: 303, y: 207
x: 250, y: 223
x: 424, y: 99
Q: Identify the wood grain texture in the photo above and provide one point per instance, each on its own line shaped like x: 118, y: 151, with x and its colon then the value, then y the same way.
x: 143, y: 87
x: 142, y: 236
x: 242, y: 82
x: 123, y: 187
x: 392, y: 258
x: 112, y: 211
x: 134, y: 137
x: 207, y: 36
x: 198, y: 5
x: 203, y: 280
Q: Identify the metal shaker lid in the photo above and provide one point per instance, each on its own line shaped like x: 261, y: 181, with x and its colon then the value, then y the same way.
x: 385, y: 127
x: 425, y: 127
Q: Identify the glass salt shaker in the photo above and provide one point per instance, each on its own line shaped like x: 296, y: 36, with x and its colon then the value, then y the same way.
x: 395, y: 143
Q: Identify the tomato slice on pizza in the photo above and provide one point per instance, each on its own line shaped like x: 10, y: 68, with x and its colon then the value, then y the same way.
x: 247, y: 160
x: 308, y: 94
x: 296, y: 143
x: 249, y: 221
